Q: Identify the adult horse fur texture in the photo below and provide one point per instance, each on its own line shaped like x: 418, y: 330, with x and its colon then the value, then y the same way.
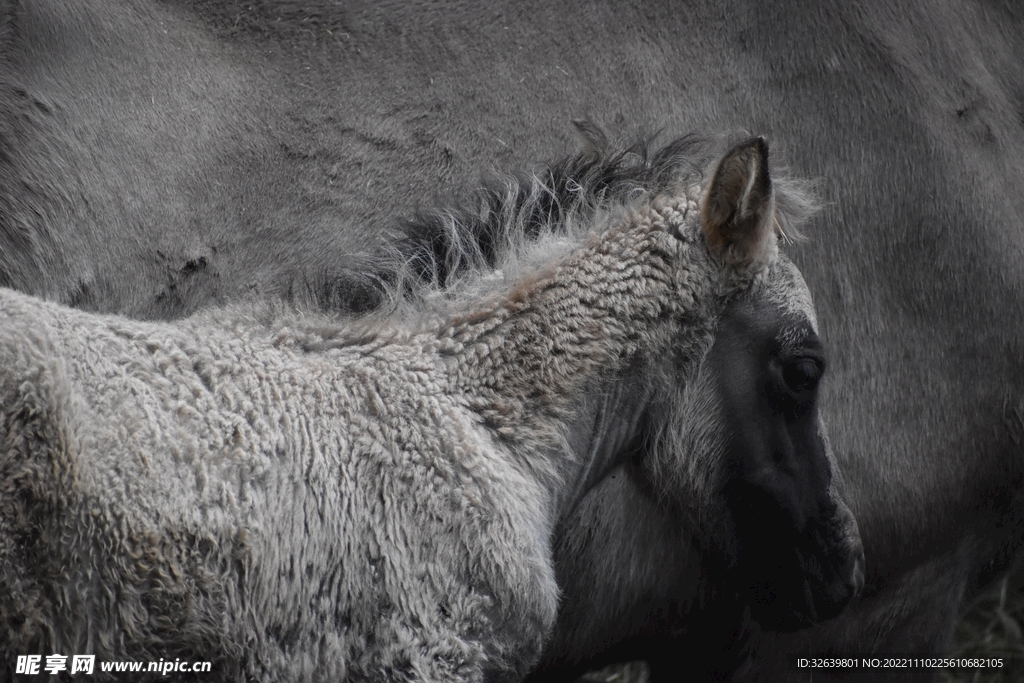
x: 157, y: 156
x: 298, y: 496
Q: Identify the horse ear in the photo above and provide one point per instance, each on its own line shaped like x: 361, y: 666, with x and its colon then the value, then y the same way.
x: 738, y: 209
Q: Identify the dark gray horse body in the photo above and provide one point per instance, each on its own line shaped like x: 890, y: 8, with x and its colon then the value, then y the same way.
x: 155, y: 157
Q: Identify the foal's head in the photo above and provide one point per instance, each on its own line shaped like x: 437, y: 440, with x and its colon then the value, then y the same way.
x: 741, y: 447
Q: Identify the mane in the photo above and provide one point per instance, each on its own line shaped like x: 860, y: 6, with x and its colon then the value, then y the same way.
x: 509, y: 215
x: 517, y: 222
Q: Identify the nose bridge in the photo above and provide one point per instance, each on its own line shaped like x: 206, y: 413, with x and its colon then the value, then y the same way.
x: 845, y: 521
x: 836, y: 489
x: 846, y: 531
x: 851, y: 570
x: 800, y: 472
x: 816, y: 464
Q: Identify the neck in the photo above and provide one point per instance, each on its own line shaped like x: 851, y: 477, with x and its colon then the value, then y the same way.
x: 605, y: 430
x: 525, y: 361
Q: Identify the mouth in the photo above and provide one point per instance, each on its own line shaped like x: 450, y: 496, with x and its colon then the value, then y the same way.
x: 786, y: 609
x: 807, y: 590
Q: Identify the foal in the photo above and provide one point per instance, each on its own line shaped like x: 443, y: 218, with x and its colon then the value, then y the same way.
x: 293, y: 496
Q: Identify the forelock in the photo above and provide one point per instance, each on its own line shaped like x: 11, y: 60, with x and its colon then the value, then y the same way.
x: 783, y: 287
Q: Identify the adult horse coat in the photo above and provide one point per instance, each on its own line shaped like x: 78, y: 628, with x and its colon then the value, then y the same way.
x: 155, y: 157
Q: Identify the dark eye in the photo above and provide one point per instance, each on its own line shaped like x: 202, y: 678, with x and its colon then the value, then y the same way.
x: 802, y: 374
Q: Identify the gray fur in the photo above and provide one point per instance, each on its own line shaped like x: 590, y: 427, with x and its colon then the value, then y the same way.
x: 157, y: 157
x: 298, y: 496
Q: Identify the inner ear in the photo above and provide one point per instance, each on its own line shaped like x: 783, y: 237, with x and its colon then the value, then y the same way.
x: 738, y: 207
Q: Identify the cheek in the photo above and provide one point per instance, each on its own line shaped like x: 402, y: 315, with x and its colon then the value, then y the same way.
x: 686, y: 460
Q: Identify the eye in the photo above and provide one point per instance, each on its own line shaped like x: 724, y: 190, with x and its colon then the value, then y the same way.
x: 802, y: 374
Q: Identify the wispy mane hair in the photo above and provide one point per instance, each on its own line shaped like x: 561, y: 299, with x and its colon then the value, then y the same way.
x: 514, y: 220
